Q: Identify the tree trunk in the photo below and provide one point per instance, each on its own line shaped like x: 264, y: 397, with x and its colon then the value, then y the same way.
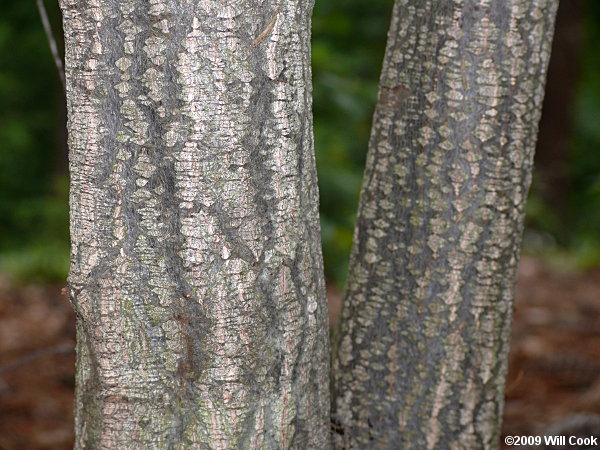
x: 421, y: 355
x: 196, y: 268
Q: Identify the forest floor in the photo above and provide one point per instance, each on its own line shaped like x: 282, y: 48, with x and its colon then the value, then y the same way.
x: 554, y: 370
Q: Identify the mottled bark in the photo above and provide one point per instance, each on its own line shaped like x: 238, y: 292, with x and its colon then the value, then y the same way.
x: 196, y: 267
x: 422, y: 349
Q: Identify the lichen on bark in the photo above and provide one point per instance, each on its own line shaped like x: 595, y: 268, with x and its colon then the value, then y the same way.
x: 196, y: 269
x: 421, y: 353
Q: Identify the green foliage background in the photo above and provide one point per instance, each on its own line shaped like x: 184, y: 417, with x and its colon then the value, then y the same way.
x: 570, y: 237
x: 33, y: 188
x: 348, y: 45
x: 582, y: 227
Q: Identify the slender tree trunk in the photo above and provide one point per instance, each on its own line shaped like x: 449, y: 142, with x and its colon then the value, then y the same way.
x: 422, y: 350
x: 196, y: 268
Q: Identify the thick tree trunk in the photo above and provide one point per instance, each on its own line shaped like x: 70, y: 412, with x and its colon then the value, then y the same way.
x: 196, y: 267
x: 421, y: 354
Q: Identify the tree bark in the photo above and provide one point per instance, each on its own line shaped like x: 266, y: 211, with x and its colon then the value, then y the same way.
x: 421, y: 353
x: 196, y: 269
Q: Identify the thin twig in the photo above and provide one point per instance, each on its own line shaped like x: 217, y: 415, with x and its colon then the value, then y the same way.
x: 52, y: 42
x: 267, y: 30
x: 30, y: 357
x: 515, y: 382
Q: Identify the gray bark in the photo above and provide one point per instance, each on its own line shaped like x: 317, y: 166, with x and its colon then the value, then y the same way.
x: 421, y: 354
x: 196, y: 268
